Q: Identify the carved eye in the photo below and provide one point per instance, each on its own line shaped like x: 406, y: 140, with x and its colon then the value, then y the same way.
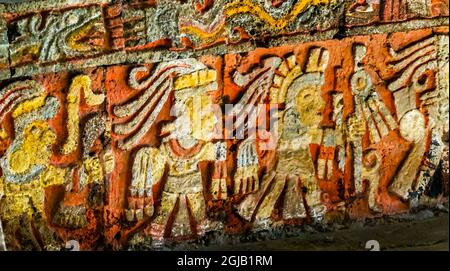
x: 422, y: 79
x: 361, y: 83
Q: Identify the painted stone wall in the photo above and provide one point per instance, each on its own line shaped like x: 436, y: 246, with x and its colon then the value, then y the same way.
x: 129, y: 122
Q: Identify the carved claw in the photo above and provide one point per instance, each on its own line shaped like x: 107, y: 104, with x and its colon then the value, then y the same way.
x: 379, y: 119
x: 129, y: 214
x: 149, y: 209
x: 246, y: 178
x: 246, y: 185
x: 138, y: 213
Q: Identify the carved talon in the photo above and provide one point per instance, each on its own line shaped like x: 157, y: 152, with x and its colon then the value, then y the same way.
x: 247, y: 171
x: 139, y: 214
x: 379, y: 119
x: 149, y: 209
x: 129, y: 214
x: 246, y: 185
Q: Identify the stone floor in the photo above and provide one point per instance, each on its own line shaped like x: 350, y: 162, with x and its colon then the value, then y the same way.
x: 424, y: 230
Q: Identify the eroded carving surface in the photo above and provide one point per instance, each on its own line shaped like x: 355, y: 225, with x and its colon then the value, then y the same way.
x: 137, y: 151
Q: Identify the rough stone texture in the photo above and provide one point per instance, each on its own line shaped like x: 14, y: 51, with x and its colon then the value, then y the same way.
x: 397, y: 234
x: 133, y: 123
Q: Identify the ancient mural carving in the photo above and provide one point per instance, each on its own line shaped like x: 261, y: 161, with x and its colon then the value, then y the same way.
x: 82, y: 32
x: 363, y: 12
x: 146, y: 152
x: 50, y: 37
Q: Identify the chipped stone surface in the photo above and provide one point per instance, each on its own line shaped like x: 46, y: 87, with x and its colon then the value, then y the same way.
x: 135, y: 123
x: 111, y: 32
x: 4, y: 52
